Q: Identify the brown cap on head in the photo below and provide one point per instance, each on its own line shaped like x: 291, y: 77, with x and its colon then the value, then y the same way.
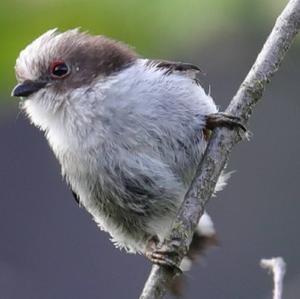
x: 86, y: 56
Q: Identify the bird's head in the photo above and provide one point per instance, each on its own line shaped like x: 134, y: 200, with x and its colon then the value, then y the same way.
x: 56, y: 64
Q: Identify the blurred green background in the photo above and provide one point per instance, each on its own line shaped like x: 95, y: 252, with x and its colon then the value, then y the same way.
x: 156, y: 28
x: 49, y: 248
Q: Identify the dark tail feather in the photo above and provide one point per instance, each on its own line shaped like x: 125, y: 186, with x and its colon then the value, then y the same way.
x: 200, y: 244
x: 204, y: 238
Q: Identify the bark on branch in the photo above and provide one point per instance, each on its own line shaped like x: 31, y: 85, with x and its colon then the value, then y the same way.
x: 221, y: 144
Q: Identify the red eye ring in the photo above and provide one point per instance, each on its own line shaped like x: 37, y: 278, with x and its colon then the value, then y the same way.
x: 59, y: 69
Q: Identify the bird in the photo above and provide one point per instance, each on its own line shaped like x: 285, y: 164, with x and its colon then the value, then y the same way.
x: 128, y: 132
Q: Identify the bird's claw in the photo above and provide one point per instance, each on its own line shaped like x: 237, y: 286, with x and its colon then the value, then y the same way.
x: 161, y: 256
x: 221, y: 119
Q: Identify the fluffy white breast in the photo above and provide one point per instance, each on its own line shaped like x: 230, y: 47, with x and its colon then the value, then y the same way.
x: 51, y: 123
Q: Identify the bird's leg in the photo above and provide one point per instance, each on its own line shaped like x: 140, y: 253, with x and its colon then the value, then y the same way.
x: 160, y: 255
x: 221, y: 119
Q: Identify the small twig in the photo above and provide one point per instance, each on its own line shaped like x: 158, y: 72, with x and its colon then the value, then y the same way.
x: 277, y: 266
x: 221, y: 144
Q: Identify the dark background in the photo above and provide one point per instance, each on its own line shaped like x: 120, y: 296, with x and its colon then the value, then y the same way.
x: 51, y: 249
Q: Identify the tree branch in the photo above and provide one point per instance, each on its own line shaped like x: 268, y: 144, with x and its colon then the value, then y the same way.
x: 220, y: 146
x: 277, y: 266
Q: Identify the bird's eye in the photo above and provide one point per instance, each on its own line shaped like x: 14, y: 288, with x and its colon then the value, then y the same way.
x: 59, y: 70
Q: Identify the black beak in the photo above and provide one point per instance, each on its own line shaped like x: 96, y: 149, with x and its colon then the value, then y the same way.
x: 27, y: 88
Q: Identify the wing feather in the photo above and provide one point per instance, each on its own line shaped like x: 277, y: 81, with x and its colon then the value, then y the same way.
x: 171, y: 67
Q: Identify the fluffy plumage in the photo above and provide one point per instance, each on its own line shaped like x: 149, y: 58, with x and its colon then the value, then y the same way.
x: 127, y: 131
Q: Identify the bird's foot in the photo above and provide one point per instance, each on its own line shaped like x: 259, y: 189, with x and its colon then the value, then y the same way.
x: 161, y: 256
x: 220, y: 119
